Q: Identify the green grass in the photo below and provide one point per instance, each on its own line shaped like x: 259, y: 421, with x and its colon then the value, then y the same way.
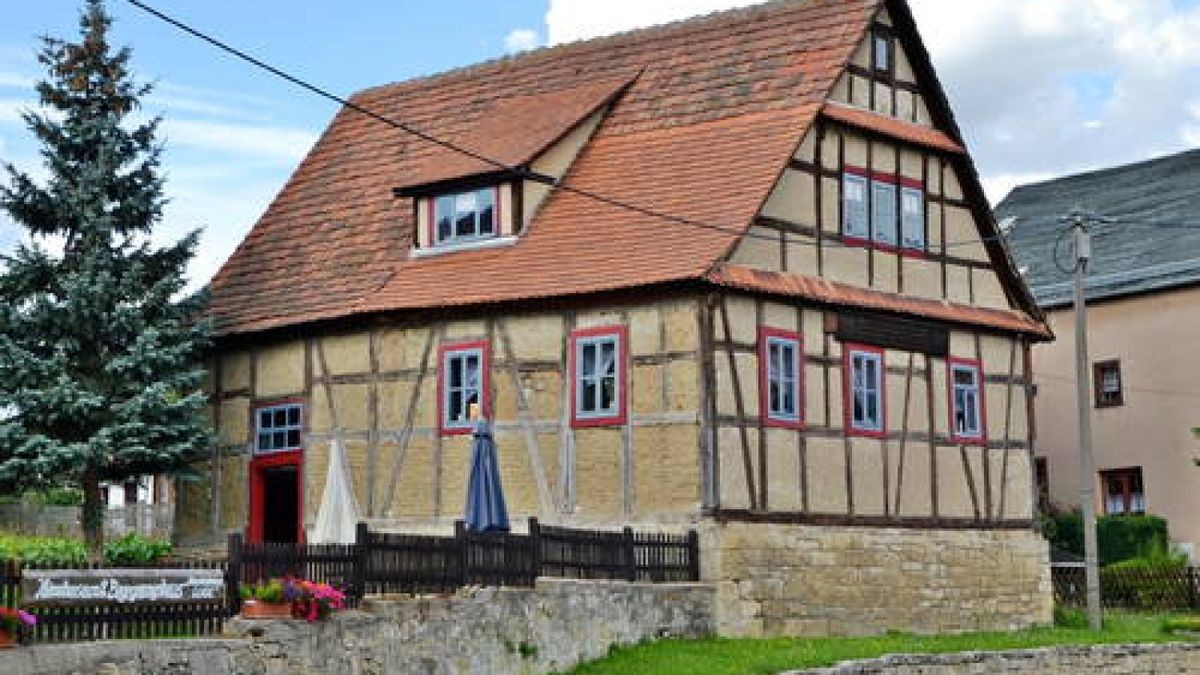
x: 720, y: 656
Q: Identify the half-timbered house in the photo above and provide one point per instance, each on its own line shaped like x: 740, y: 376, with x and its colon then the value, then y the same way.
x: 735, y: 272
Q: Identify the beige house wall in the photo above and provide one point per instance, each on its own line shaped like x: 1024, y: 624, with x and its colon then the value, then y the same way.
x: 1154, y: 336
x: 916, y: 472
x: 383, y: 382
x: 800, y: 228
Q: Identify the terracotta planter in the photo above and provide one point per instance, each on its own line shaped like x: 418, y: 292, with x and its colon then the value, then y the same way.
x: 254, y: 609
x: 7, y: 639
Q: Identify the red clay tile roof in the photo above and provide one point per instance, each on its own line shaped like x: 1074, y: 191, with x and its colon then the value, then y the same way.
x: 717, y: 107
x: 513, y: 130
x: 834, y: 293
x: 706, y: 114
x: 890, y: 126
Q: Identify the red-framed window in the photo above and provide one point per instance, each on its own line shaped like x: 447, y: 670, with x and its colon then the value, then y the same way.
x: 865, y: 399
x: 599, y: 390
x: 781, y: 378
x: 968, y: 417
x: 464, y: 380
x: 1124, y: 491
x: 466, y: 216
x: 883, y: 211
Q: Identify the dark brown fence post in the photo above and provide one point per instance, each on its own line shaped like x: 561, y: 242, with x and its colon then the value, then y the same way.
x: 362, y: 543
x: 233, y: 573
x: 460, y: 539
x: 535, y: 540
x: 630, y: 554
x: 693, y: 551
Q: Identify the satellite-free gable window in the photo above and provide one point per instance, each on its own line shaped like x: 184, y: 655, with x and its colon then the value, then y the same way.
x: 465, y: 216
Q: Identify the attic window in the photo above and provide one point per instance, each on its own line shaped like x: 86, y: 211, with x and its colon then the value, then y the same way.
x: 881, y: 51
x: 464, y: 216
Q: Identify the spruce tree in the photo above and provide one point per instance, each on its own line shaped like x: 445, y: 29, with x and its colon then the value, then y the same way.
x: 100, y: 371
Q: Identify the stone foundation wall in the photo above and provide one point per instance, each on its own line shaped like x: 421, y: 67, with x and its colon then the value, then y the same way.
x: 549, y: 628
x: 1119, y: 659
x: 776, y: 579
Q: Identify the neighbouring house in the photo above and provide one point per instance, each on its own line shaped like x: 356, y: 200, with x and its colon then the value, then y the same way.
x: 734, y: 273
x: 1143, y: 323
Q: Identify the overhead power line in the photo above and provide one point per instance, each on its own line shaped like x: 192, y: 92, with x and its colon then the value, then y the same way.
x: 551, y: 181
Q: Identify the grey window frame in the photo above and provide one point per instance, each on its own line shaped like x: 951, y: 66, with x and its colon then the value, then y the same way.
x: 448, y: 387
x: 286, y: 429
x: 598, y: 379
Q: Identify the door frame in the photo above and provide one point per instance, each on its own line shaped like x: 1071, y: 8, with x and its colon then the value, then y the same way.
x: 258, y: 467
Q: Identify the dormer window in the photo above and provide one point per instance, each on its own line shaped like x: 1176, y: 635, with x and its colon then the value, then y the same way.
x: 465, y: 216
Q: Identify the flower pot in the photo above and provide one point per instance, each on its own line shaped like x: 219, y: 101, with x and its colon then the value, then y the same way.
x: 255, y: 609
x: 8, y: 640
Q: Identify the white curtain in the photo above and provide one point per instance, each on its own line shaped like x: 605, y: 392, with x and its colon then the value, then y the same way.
x: 338, y: 516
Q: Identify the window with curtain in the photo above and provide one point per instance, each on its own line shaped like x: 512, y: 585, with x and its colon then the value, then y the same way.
x: 465, y: 216
x: 865, y: 373
x: 462, y: 385
x: 966, y: 408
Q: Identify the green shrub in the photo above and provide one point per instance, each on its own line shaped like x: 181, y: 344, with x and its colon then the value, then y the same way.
x: 1188, y: 623
x: 1158, y: 581
x: 270, y: 592
x: 1070, y: 617
x: 61, y: 496
x: 134, y: 549
x: 42, y: 550
x: 1119, y: 537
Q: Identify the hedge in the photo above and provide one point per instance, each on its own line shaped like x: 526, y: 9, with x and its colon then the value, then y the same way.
x: 1120, y: 538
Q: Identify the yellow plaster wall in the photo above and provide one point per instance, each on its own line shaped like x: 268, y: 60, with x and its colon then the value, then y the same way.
x: 555, y: 161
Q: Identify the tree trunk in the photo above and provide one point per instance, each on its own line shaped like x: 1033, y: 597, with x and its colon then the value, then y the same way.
x: 93, y: 516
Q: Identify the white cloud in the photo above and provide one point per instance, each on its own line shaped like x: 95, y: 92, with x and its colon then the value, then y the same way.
x: 520, y: 40
x: 1039, y: 88
x: 570, y: 20
x: 260, y: 141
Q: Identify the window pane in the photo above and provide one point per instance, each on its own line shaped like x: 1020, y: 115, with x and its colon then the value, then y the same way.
x: 964, y: 377
x: 487, y: 210
x: 454, y: 406
x: 294, y: 416
x: 588, y: 392
x: 293, y: 438
x: 871, y: 376
x: 280, y: 418
x: 587, y: 366
x: 455, y: 377
x: 608, y: 393
x: 264, y: 442
x: 608, y: 360
x: 854, y: 206
x: 472, y: 371
x: 883, y: 212
x: 278, y: 440
x: 264, y: 419
x: 882, y: 48
x: 788, y: 404
x: 913, y: 219
x: 775, y: 398
x: 972, y: 412
x: 787, y: 353
x: 445, y: 216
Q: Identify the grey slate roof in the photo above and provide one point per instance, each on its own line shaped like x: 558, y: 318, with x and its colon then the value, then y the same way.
x: 1129, y: 256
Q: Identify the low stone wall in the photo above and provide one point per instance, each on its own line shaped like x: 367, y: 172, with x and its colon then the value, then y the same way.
x: 779, y: 579
x: 1119, y: 659
x: 548, y: 628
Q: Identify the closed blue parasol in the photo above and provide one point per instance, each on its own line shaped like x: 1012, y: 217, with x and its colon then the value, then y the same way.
x: 485, y: 510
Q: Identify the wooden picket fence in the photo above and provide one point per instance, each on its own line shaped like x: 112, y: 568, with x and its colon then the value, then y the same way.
x: 377, y: 563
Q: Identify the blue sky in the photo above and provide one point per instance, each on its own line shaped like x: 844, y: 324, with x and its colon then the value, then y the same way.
x: 1040, y: 88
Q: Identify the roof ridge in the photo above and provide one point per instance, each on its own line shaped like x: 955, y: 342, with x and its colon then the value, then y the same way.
x: 514, y: 60
x: 1107, y: 170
